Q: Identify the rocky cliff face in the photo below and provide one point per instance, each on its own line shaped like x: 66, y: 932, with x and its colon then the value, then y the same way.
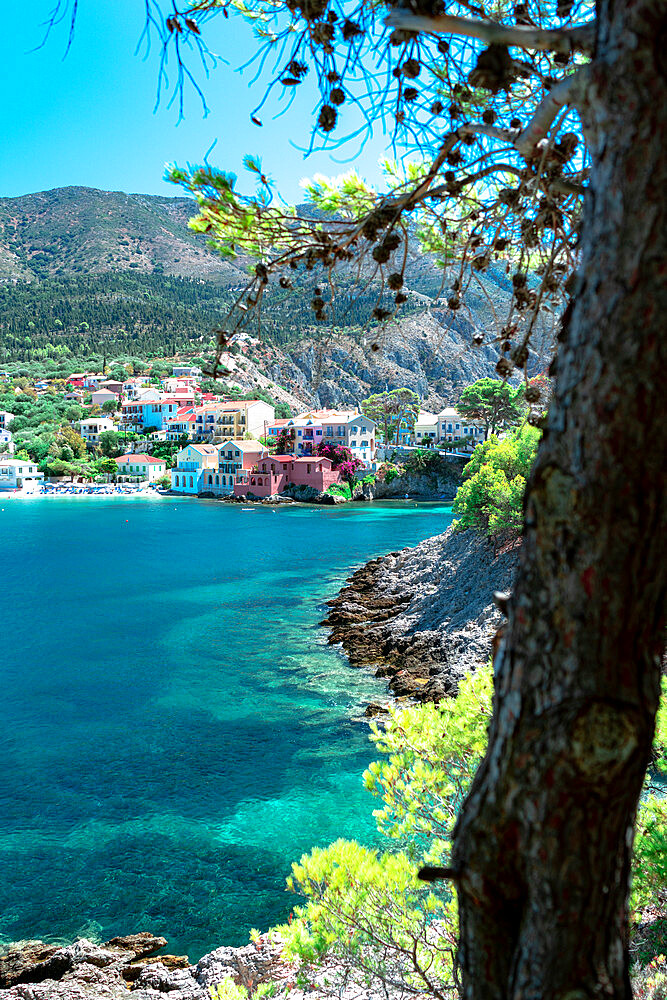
x: 423, y: 617
x: 429, y: 352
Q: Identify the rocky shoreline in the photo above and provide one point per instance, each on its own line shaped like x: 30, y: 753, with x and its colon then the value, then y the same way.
x: 423, y: 617
x: 129, y: 966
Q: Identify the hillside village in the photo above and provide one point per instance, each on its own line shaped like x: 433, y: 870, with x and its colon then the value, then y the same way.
x: 132, y: 435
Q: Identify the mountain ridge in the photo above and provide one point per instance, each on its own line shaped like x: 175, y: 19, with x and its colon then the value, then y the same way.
x: 108, y: 271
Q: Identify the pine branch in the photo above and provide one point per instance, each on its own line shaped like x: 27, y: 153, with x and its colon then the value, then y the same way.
x: 562, y: 40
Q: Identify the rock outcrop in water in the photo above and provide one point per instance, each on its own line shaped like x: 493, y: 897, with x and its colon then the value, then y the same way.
x: 424, y: 616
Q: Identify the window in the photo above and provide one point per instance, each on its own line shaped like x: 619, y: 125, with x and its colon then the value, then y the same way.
x: 217, y: 480
x: 308, y: 467
x: 237, y: 453
x: 364, y: 444
x: 210, y: 479
x: 353, y: 444
x: 191, y: 482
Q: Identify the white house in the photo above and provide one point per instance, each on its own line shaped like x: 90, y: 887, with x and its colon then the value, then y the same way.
x: 93, y: 427
x: 19, y: 474
x: 191, y: 462
x: 140, y: 468
x: 426, y: 428
x: 5, y: 419
x: 186, y: 371
x: 361, y: 438
x: 453, y: 427
x: 352, y: 429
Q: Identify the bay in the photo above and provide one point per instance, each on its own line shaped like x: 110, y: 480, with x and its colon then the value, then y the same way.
x: 175, y: 729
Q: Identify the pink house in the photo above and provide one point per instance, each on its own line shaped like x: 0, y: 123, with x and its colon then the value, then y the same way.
x: 272, y: 474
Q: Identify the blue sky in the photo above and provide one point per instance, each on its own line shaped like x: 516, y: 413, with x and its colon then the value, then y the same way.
x: 89, y: 118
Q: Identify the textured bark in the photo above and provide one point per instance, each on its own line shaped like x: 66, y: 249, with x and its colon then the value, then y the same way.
x: 542, y: 846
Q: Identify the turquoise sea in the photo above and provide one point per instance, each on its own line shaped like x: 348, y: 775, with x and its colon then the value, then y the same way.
x: 174, y: 728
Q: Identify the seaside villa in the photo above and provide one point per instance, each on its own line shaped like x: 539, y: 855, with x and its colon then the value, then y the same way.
x: 272, y: 475
x: 140, y: 468
x: 192, y: 462
x: 233, y: 457
x: 315, y: 427
x: 19, y: 474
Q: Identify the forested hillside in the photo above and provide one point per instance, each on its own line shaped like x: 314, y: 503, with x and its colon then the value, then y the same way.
x: 88, y: 272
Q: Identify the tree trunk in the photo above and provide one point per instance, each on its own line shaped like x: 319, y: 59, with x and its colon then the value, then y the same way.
x: 542, y: 846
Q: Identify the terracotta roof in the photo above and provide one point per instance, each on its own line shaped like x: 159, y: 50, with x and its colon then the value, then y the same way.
x: 145, y: 459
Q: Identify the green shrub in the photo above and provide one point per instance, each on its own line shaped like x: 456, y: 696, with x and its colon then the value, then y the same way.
x: 228, y: 990
x: 364, y: 908
x: 490, y: 499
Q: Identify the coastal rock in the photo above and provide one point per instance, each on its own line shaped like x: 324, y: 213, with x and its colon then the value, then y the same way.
x: 418, y: 487
x: 424, y: 616
x: 247, y: 966
x: 21, y: 959
x: 157, y: 978
x: 33, y: 970
x: 34, y: 962
x: 140, y: 945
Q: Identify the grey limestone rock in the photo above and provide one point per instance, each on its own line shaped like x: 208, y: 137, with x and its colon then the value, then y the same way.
x: 424, y: 616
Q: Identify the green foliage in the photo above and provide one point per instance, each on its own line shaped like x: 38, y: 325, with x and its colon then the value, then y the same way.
x: 430, y: 753
x: 265, y: 990
x: 340, y: 490
x: 490, y: 499
x: 392, y: 411
x: 650, y: 983
x: 110, y: 443
x: 364, y: 908
x: 660, y: 741
x: 497, y: 403
x: 115, y: 311
x: 228, y: 990
x: 388, y: 471
x: 105, y: 466
x: 649, y: 883
x: 423, y: 461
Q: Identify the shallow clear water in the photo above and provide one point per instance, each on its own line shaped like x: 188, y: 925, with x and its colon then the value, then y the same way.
x: 174, y: 728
